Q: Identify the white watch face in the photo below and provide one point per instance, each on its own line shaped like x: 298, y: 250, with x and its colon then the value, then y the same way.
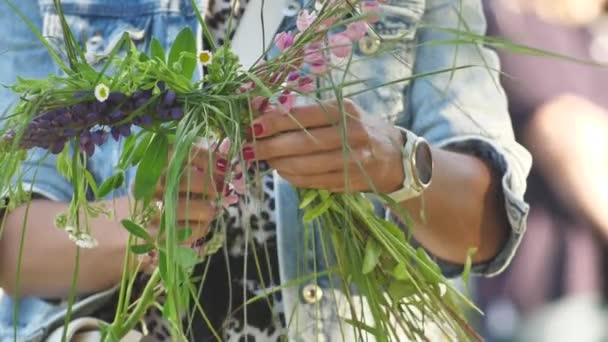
x: 423, y: 163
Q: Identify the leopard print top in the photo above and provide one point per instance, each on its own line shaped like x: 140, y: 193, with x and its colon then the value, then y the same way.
x: 248, y: 267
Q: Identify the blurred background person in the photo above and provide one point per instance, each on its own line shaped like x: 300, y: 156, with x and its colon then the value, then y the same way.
x: 557, y: 287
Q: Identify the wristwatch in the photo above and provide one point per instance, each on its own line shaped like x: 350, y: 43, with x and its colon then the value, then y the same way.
x: 417, y: 167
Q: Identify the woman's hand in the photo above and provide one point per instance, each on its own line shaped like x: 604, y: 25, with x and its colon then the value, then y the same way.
x: 320, y: 146
x: 200, y: 189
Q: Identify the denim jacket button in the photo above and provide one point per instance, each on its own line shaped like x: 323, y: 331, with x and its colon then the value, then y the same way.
x: 369, y: 45
x: 292, y: 8
x: 312, y: 294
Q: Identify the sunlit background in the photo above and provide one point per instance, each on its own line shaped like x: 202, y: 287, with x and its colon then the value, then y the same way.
x: 556, y: 287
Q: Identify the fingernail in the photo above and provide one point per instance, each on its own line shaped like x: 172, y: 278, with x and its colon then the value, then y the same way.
x: 248, y: 153
x: 238, y: 176
x: 222, y: 164
x: 199, y: 242
x: 256, y: 130
x: 228, y: 192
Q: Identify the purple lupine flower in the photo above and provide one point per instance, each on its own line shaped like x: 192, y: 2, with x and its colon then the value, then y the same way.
x: 115, y: 131
x: 99, y: 137
x: 125, y: 130
x: 92, y: 118
x: 79, y: 109
x: 69, y: 132
x: 117, y: 98
x: 177, y: 113
x: 117, y: 115
x: 145, y: 120
x: 169, y: 98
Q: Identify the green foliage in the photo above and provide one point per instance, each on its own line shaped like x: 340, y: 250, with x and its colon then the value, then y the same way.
x: 182, y: 56
x: 136, y: 230
x: 111, y: 184
x: 157, y: 51
x: 371, y: 256
x: 151, y: 167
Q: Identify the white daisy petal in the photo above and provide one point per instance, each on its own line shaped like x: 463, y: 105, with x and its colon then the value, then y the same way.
x: 102, y: 92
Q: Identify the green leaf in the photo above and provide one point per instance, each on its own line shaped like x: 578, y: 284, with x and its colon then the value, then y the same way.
x: 91, y: 182
x: 467, y: 267
x: 141, y: 148
x: 184, y: 234
x: 401, y: 289
x: 111, y: 184
x: 141, y: 249
x: 183, y: 52
x: 317, y: 211
x: 157, y: 51
x: 163, y: 269
x: 186, y: 257
x: 400, y: 272
x: 372, y: 256
x: 309, y: 196
x: 136, y: 230
x: 151, y: 166
x: 428, y: 268
x: 64, y: 163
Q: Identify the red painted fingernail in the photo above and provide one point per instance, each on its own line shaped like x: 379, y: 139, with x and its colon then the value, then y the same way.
x: 257, y: 129
x: 222, y: 165
x: 238, y: 176
x: 228, y: 192
x: 248, y: 153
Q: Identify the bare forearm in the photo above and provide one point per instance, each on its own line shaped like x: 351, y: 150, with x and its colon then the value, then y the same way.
x: 462, y: 208
x: 48, y: 258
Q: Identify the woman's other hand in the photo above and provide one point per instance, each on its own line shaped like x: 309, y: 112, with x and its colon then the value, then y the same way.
x: 323, y: 146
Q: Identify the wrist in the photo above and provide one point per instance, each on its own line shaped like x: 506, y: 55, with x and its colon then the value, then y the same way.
x: 416, y: 167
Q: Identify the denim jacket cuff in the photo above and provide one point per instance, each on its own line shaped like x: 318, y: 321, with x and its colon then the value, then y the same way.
x: 513, y: 190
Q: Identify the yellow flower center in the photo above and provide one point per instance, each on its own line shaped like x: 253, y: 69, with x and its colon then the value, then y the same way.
x: 103, y: 92
x: 204, y: 57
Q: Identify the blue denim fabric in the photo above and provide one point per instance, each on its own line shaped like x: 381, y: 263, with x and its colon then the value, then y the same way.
x: 463, y: 111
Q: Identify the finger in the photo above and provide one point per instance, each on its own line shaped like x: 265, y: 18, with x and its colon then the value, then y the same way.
x: 325, y: 162
x: 306, y: 116
x: 305, y: 142
x: 191, y: 209
x: 206, y: 161
x: 355, y: 181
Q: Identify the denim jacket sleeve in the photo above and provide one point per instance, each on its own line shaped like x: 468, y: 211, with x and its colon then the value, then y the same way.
x: 466, y: 110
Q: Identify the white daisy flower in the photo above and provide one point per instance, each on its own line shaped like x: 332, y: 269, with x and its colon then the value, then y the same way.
x: 205, y: 57
x: 102, y: 92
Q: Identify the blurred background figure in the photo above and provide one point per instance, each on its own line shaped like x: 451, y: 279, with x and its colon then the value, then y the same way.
x: 557, y: 287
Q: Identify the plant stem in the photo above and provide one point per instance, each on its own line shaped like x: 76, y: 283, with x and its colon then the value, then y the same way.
x: 145, y: 301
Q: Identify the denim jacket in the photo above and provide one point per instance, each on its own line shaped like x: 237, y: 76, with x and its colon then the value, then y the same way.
x: 464, y: 110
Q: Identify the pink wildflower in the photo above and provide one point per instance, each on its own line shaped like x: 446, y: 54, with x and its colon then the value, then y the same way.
x: 260, y: 103
x: 305, y: 19
x: 356, y: 31
x: 245, y: 87
x: 313, y: 53
x: 306, y: 84
x: 224, y: 147
x: 340, y: 45
x: 318, y: 68
x: 284, y: 40
x: 371, y: 8
x: 287, y: 101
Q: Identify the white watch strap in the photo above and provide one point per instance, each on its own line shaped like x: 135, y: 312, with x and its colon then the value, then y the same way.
x: 408, y: 189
